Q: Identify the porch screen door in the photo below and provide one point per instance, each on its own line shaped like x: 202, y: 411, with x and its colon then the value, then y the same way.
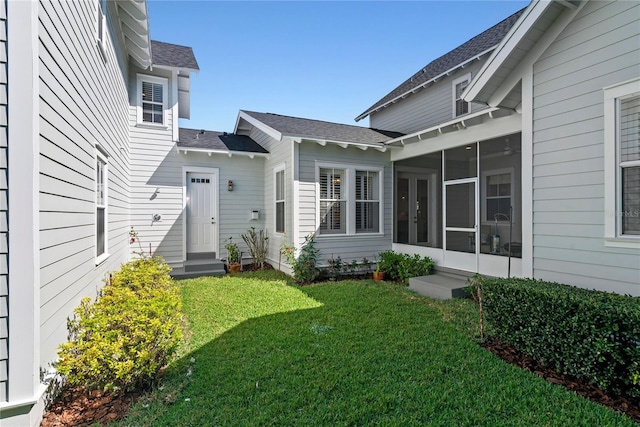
x: 461, y: 231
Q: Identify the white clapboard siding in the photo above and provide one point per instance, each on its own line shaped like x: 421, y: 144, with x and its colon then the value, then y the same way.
x: 83, y: 102
x: 347, y: 247
x: 4, y: 250
x: 599, y: 48
x: 426, y: 108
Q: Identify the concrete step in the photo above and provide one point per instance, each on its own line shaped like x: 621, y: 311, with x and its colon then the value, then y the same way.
x: 194, y: 265
x: 441, y: 285
x: 179, y: 273
x: 201, y: 255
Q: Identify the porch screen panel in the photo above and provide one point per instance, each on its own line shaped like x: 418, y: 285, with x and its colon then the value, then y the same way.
x: 333, y: 204
x: 629, y: 163
x: 367, y: 202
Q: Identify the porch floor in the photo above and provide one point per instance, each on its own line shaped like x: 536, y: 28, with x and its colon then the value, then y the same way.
x: 445, y: 283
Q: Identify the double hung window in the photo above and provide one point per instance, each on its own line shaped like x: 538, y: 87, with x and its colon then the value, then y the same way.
x: 280, y: 200
x: 152, y: 93
x: 101, y: 206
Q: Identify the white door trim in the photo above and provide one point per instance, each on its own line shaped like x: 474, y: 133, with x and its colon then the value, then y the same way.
x: 216, y: 191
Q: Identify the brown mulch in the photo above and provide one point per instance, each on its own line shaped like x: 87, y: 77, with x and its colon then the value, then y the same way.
x: 630, y: 408
x: 77, y: 408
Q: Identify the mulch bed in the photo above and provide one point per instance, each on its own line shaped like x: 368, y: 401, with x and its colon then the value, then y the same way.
x: 511, y: 355
x: 77, y: 408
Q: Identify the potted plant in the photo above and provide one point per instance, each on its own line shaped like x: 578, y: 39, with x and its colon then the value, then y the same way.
x: 378, y: 274
x: 233, y: 255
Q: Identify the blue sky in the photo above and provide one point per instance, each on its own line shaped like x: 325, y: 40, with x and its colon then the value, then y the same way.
x: 325, y: 60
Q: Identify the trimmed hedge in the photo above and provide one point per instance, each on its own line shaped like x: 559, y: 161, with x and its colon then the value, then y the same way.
x: 121, y: 340
x: 589, y: 334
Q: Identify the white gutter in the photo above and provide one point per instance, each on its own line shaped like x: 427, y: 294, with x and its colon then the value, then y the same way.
x: 229, y: 153
x: 453, y: 125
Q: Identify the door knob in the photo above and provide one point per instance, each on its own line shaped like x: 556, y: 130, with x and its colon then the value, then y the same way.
x: 213, y: 220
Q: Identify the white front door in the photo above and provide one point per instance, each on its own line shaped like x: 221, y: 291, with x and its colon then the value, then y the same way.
x: 202, y: 229
x: 414, y: 211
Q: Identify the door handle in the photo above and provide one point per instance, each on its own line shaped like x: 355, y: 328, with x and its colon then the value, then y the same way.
x: 213, y: 220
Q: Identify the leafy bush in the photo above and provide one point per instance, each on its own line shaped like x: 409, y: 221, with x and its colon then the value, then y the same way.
x: 304, y: 266
x: 589, y: 334
x: 257, y: 242
x: 121, y: 340
x: 402, y: 267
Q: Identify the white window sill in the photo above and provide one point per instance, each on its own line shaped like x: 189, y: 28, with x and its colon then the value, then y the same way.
x: 102, y: 258
x: 622, y: 242
x: 350, y: 236
x: 151, y: 126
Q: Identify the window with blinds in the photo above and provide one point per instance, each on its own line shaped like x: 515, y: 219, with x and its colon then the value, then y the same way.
x: 152, y: 102
x: 333, y: 201
x: 629, y: 163
x: 279, y: 201
x: 367, y: 202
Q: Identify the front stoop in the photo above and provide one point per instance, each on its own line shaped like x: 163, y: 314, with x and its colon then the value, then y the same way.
x: 200, y: 264
x: 445, y: 283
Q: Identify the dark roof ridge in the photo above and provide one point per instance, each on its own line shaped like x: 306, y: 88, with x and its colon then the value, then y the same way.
x: 315, y: 120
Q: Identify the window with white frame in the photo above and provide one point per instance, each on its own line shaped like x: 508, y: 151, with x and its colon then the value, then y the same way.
x: 460, y: 106
x: 498, y: 191
x: 152, y: 100
x: 622, y: 161
x: 332, y: 201
x: 367, y: 202
x: 279, y: 200
x: 101, y: 205
x: 101, y: 30
x: 349, y: 199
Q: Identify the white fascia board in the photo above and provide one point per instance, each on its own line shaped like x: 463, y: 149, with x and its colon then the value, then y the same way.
x: 229, y: 153
x: 258, y: 124
x: 344, y: 144
x: 421, y: 133
x: 180, y: 70
x: 427, y: 83
x: 136, y: 39
x: 505, y: 47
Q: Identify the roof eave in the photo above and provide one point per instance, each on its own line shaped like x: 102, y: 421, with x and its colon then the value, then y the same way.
x: 425, y: 84
x: 382, y: 147
x: 229, y: 153
x: 477, y: 91
x: 133, y: 20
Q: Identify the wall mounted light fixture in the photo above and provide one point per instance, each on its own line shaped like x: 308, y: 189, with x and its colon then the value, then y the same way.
x: 229, y: 185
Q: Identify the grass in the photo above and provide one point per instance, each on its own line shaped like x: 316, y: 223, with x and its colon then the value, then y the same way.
x: 262, y: 352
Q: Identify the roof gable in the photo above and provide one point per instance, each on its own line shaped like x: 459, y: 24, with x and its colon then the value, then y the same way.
x: 479, y: 45
x: 173, y: 55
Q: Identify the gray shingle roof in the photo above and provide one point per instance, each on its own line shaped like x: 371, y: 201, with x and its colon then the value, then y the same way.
x: 173, y: 55
x: 210, y: 140
x: 457, y: 56
x: 316, y: 129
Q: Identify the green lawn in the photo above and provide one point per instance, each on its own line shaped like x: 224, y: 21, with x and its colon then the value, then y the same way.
x: 262, y: 352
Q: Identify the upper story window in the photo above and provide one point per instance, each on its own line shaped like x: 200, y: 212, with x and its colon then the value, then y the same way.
x: 101, y: 29
x: 279, y: 199
x: 460, y: 106
x: 349, y: 199
x: 622, y: 163
x: 152, y: 100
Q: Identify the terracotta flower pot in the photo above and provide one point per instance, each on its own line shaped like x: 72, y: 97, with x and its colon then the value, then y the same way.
x: 378, y: 276
x: 234, y: 267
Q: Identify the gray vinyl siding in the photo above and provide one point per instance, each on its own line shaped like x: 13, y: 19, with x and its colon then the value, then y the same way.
x: 280, y: 152
x: 83, y: 101
x: 352, y: 247
x: 426, y: 108
x: 4, y: 208
x: 600, y: 47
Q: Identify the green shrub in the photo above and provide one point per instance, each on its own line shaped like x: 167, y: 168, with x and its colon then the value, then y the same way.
x: 402, y: 267
x: 304, y: 265
x: 121, y: 340
x: 589, y: 334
